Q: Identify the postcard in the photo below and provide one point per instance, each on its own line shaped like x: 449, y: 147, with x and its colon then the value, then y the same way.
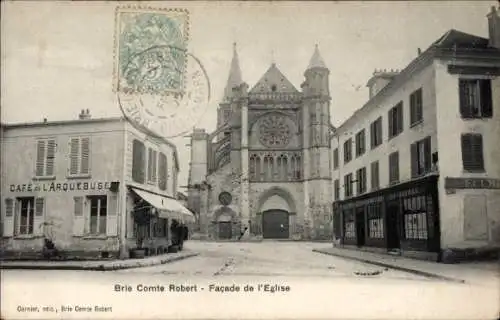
x: 250, y: 160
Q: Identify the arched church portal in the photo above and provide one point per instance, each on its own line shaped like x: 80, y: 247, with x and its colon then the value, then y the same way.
x: 276, y: 205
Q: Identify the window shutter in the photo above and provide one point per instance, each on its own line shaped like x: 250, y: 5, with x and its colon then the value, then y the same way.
x: 138, y: 161
x: 391, y: 122
x: 414, y: 160
x: 155, y: 165
x: 40, y: 158
x: 112, y: 215
x: 466, y: 151
x: 427, y: 154
x: 73, y: 155
x: 412, y: 108
x: 8, y: 218
x: 85, y: 156
x: 420, y: 105
x: 486, y: 98
x: 465, y: 110
x: 400, y: 118
x: 51, y: 153
x: 16, y: 217
x: 39, y: 216
x: 78, y: 217
x: 477, y: 151
x: 162, y: 171
x: 379, y: 134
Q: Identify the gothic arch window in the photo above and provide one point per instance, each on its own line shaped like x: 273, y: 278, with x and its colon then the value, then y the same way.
x: 268, y: 167
x: 283, y: 169
x: 253, y: 160
x: 257, y: 168
x: 296, y: 167
x: 278, y: 165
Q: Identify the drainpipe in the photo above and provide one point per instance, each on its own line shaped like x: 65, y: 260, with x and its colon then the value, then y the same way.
x: 124, y: 254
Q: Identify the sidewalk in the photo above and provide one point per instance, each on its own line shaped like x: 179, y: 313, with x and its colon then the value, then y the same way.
x: 482, y: 273
x: 102, y: 265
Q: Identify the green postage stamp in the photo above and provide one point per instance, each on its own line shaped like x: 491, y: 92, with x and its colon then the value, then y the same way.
x: 150, y: 50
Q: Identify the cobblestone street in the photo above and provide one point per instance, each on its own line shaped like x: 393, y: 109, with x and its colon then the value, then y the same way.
x: 269, y: 258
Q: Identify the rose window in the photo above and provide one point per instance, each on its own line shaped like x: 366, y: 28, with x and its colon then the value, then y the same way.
x: 274, y: 131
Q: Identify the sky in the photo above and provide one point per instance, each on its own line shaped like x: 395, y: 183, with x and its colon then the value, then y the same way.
x: 57, y: 57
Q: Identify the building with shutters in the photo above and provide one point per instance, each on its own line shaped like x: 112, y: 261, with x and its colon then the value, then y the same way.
x: 416, y: 168
x: 84, y: 184
x: 266, y: 167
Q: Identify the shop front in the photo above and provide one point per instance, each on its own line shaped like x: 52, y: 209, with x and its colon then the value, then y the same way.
x: 403, y: 218
x: 159, y: 223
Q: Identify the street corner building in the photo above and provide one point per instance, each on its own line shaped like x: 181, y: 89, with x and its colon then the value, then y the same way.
x: 416, y: 170
x: 97, y: 188
x: 265, y: 170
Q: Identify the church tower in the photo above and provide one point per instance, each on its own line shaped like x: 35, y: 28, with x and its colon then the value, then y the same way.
x: 316, y: 147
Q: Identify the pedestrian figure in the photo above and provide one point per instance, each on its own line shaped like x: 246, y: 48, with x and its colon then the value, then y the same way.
x: 242, y: 233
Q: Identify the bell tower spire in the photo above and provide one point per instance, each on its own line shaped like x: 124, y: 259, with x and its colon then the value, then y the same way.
x: 234, y: 78
x: 316, y: 60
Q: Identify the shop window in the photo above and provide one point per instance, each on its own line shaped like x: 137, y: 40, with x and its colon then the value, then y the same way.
x: 79, y: 156
x: 98, y: 214
x: 138, y: 161
x: 349, y: 225
x: 475, y: 98
x: 415, y: 217
x: 45, y: 157
x: 375, y: 221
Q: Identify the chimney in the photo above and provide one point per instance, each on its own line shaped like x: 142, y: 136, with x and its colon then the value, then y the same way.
x: 84, y: 114
x: 494, y: 28
x: 380, y: 79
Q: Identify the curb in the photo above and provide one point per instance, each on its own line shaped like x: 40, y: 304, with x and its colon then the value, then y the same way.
x: 101, y: 267
x: 393, y: 266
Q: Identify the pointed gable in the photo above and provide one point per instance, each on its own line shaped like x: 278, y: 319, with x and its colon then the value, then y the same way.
x: 273, y: 81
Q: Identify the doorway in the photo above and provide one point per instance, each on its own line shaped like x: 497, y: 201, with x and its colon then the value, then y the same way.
x: 225, y: 230
x: 275, y: 224
x: 393, y: 241
x: 360, y: 226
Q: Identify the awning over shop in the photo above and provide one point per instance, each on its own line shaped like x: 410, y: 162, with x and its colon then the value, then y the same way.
x: 167, y: 207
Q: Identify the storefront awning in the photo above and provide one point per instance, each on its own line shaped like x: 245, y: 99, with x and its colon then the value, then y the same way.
x: 167, y: 207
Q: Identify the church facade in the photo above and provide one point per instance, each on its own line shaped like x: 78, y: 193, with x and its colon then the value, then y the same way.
x: 266, y: 169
